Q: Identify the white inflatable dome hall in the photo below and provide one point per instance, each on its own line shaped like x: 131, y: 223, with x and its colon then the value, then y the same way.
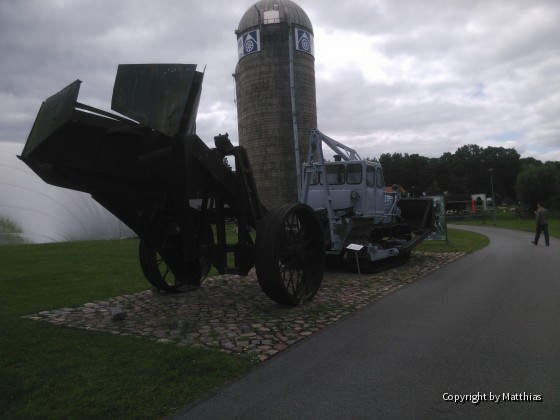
x: 36, y: 212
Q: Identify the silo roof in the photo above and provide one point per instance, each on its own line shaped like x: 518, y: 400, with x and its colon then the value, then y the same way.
x: 288, y: 10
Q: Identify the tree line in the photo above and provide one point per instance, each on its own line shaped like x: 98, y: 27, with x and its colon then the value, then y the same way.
x: 473, y: 170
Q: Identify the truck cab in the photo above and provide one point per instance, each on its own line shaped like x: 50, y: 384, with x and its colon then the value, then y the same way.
x: 355, y: 187
x: 349, y: 197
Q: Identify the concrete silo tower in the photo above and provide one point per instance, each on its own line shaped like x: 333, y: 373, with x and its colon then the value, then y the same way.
x: 275, y: 89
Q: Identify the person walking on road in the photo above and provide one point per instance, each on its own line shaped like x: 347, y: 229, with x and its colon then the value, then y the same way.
x: 541, y: 221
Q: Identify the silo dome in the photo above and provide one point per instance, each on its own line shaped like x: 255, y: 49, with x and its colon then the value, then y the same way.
x: 275, y: 92
x: 287, y: 10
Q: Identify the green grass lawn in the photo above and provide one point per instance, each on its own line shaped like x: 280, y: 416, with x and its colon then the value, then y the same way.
x: 510, y: 221
x: 54, y: 372
x: 457, y: 241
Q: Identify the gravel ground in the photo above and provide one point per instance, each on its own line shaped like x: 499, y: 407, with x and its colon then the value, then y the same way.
x: 232, y: 313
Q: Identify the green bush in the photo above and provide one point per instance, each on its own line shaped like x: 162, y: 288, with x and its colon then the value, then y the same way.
x: 10, y: 232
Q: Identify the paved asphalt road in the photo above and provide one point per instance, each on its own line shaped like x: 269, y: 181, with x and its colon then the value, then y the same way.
x: 487, y: 324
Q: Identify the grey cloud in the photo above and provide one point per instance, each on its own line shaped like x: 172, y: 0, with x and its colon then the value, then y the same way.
x: 475, y: 67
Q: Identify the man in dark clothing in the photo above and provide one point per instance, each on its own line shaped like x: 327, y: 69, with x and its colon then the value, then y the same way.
x: 541, y: 220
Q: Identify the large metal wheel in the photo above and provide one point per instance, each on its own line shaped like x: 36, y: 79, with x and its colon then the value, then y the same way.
x: 290, y: 254
x: 165, y: 268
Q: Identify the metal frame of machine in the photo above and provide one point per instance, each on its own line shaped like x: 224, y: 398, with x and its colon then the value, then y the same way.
x: 149, y: 167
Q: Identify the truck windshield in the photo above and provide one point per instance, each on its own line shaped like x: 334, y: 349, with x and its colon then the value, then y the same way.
x: 335, y: 174
x: 354, y: 173
x: 370, y: 176
x: 379, y: 177
x: 339, y: 174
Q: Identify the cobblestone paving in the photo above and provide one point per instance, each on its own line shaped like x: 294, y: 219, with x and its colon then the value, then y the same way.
x: 233, y: 314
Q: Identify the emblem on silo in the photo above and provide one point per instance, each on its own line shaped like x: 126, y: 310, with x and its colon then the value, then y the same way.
x: 304, y: 41
x: 249, y: 43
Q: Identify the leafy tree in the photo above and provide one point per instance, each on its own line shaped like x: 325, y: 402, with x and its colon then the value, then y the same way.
x: 506, y: 165
x: 434, y: 188
x: 466, y: 171
x: 539, y: 183
x: 452, y: 176
x: 412, y: 172
x: 530, y: 161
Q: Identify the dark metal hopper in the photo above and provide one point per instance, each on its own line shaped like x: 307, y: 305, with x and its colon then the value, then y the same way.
x: 124, y: 164
x: 159, y: 95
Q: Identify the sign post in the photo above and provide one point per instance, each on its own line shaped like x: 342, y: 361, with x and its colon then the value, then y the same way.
x: 355, y: 248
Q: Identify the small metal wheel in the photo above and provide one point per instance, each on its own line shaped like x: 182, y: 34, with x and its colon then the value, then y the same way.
x: 290, y: 254
x: 165, y: 268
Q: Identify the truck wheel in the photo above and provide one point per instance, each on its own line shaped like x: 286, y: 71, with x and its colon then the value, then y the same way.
x: 290, y: 254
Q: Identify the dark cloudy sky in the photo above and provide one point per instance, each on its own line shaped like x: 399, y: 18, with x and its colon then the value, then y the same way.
x: 408, y: 76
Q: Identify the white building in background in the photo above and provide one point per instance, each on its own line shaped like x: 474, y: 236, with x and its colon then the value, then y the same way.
x: 46, y: 213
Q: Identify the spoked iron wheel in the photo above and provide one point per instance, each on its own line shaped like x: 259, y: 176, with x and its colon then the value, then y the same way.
x: 165, y: 268
x: 290, y: 254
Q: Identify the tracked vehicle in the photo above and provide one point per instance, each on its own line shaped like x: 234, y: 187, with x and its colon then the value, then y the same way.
x: 359, y: 216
